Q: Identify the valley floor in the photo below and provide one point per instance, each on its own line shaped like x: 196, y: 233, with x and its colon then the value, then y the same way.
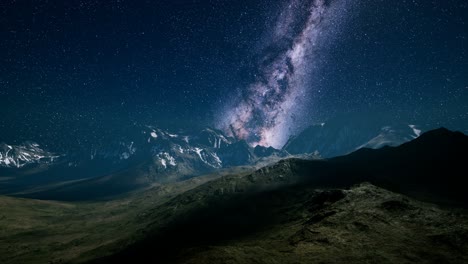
x: 39, y: 231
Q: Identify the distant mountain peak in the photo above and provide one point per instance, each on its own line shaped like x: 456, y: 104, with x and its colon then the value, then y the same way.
x: 341, y: 136
x: 27, y: 153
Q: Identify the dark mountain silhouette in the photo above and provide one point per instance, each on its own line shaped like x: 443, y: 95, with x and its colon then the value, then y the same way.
x: 433, y: 165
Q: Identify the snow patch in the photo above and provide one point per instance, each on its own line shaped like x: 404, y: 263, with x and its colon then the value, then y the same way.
x: 416, y: 131
x: 172, y: 135
x: 166, y: 160
x: 203, y: 158
x: 198, y: 151
x: 125, y: 156
x: 179, y: 149
x: 130, y: 150
x: 218, y: 160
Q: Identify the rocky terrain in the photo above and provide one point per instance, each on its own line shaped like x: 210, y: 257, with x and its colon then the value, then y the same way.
x: 364, y: 224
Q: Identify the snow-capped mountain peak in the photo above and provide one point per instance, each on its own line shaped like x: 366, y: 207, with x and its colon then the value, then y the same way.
x: 393, y: 136
x: 416, y: 131
x: 18, y: 156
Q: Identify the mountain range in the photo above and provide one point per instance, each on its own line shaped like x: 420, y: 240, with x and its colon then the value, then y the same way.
x: 137, y: 156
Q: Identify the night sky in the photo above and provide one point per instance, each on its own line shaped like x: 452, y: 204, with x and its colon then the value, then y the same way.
x: 260, y: 70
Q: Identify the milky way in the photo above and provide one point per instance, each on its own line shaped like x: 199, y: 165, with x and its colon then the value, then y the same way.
x: 268, y: 110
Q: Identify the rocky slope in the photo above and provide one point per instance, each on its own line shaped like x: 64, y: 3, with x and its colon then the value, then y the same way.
x: 364, y: 224
x: 299, y: 211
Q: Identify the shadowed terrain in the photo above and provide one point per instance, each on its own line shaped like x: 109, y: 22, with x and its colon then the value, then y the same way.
x: 411, y: 208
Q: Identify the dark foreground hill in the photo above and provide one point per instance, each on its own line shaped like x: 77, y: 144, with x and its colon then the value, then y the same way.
x: 364, y: 224
x: 432, y: 167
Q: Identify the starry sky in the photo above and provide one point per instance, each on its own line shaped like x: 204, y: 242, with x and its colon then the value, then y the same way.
x: 259, y: 70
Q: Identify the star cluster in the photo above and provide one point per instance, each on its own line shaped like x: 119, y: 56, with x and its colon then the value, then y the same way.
x: 271, y: 108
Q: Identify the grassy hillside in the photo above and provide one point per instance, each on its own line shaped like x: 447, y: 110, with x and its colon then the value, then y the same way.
x: 37, y: 231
